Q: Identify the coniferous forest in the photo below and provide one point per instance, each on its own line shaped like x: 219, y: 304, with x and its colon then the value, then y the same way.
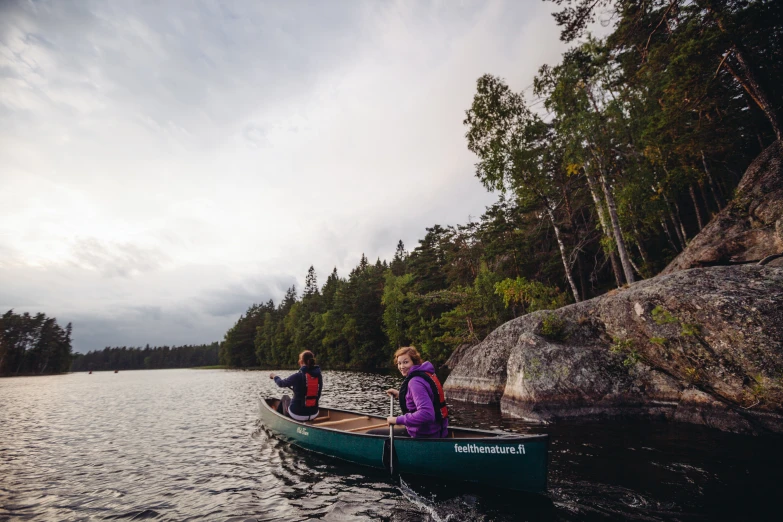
x: 147, y: 358
x: 36, y: 344
x: 606, y: 166
x: 33, y: 344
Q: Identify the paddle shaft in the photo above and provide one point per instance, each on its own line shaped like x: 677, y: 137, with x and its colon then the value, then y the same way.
x: 391, y: 435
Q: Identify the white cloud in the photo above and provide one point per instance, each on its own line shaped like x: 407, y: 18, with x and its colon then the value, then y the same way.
x: 174, y: 161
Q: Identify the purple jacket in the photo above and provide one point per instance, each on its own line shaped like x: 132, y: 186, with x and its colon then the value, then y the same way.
x: 420, y: 422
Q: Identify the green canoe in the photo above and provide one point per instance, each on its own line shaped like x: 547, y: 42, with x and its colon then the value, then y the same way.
x: 494, y: 459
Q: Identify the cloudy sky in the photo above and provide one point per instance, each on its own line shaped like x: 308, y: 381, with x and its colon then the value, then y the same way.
x: 163, y: 165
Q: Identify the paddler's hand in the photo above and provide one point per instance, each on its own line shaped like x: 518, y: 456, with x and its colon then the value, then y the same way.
x: 393, y: 392
x: 391, y: 420
x: 271, y: 375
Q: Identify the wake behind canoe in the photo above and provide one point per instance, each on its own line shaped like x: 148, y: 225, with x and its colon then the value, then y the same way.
x: 509, y: 461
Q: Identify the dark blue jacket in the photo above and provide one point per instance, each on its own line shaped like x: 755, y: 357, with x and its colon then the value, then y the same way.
x: 298, y: 382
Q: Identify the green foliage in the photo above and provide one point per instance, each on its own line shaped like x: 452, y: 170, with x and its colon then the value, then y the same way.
x: 478, y: 310
x: 553, y: 327
x: 690, y: 329
x: 397, y: 303
x: 529, y: 296
x: 759, y: 387
x: 632, y: 358
x: 33, y: 344
x: 608, y: 244
x: 621, y: 345
x: 662, y: 316
x: 660, y: 341
x: 625, y: 347
x: 533, y: 369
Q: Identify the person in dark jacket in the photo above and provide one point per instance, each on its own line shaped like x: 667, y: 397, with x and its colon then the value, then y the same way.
x: 421, y: 398
x: 307, y: 385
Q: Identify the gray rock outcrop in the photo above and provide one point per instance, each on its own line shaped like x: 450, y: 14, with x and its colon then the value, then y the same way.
x: 750, y: 227
x: 702, y: 345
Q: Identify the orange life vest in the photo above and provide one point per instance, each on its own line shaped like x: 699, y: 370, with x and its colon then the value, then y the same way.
x: 311, y: 397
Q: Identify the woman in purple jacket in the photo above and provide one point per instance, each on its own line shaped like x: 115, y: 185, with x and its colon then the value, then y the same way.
x: 423, y: 405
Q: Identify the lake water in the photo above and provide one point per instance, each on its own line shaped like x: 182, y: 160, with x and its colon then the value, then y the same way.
x: 188, y: 445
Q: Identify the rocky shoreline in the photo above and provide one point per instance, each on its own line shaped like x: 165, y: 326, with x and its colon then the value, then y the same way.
x: 700, y: 345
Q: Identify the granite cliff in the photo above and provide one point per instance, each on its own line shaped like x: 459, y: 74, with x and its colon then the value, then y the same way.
x: 701, y: 345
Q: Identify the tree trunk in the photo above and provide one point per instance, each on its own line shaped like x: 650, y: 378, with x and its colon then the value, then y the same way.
x: 753, y: 89
x: 711, y: 182
x: 616, y: 269
x: 679, y: 221
x: 470, y: 328
x: 696, y: 206
x: 562, y: 252
x: 582, y: 281
x: 668, y: 234
x: 639, y: 246
x: 748, y: 78
x: 618, y: 233
x: 636, y: 268
x: 677, y: 208
x: 678, y: 231
x: 707, y: 209
x: 599, y: 207
x: 748, y: 82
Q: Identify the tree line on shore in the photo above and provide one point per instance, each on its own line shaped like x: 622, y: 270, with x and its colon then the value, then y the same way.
x: 147, y: 358
x: 606, y: 166
x: 33, y: 344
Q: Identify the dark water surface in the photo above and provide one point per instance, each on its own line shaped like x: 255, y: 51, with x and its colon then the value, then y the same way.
x: 188, y: 445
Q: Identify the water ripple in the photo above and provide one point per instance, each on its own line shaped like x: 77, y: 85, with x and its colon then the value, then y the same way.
x: 188, y: 445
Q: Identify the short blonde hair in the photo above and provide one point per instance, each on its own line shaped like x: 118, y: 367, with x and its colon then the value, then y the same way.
x: 411, y: 352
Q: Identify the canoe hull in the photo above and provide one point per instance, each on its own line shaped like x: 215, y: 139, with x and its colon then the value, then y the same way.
x: 509, y: 462
x: 519, y: 465
x: 366, y: 450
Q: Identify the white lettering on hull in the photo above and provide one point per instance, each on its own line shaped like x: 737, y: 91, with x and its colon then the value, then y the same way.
x: 504, y: 450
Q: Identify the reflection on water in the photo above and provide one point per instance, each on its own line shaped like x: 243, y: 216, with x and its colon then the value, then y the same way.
x: 187, y: 444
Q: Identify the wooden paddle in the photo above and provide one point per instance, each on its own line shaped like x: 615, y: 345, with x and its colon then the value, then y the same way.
x: 391, y: 436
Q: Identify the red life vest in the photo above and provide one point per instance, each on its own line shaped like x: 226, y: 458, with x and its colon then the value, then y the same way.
x: 311, y: 396
x: 438, y: 397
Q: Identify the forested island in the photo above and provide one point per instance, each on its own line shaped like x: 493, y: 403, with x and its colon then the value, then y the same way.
x: 607, y: 166
x: 147, y: 358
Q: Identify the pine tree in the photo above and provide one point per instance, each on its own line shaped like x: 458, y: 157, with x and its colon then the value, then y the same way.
x: 311, y: 283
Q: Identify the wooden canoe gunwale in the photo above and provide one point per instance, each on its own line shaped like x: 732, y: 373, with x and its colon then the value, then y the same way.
x: 490, y: 436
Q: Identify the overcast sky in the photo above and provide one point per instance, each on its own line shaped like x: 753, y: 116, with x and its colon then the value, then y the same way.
x: 164, y: 165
